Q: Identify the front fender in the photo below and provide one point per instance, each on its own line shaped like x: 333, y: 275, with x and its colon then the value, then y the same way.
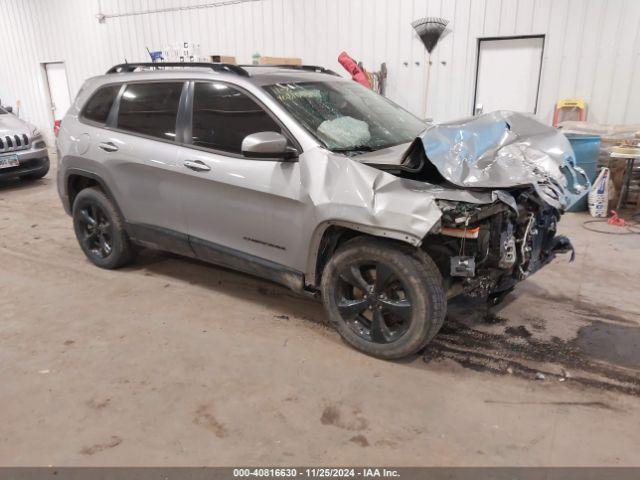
x: 344, y: 190
x: 349, y: 194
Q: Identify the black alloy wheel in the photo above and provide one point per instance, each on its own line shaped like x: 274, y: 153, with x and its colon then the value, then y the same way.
x: 384, y: 298
x: 374, y: 302
x: 97, y: 231
x: 100, y: 229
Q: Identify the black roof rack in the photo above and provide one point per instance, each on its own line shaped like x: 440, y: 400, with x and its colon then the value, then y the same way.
x: 216, y: 67
x: 308, y: 68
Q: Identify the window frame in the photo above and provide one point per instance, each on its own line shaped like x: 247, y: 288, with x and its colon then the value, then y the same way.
x: 112, y: 120
x: 88, y: 121
x: 187, y: 125
x: 184, y: 116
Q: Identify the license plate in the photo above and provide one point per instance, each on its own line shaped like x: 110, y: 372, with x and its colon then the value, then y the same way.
x: 9, y: 161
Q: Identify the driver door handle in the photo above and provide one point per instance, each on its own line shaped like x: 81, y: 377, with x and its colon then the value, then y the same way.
x: 108, y: 147
x: 197, y: 165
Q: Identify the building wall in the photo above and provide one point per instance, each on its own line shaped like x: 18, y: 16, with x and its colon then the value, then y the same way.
x: 592, y: 47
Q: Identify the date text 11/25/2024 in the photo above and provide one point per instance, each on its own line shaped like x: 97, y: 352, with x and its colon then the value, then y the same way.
x: 316, y: 472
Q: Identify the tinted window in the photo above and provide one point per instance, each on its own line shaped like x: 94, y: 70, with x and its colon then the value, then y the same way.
x: 150, y: 109
x: 99, y: 106
x: 223, y: 116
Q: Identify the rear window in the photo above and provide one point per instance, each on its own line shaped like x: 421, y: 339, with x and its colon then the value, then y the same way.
x: 99, y: 106
x: 150, y: 109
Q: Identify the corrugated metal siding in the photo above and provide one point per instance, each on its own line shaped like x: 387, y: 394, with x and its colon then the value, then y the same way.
x: 592, y: 47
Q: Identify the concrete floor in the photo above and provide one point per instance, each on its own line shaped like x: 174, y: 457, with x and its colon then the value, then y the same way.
x: 173, y: 362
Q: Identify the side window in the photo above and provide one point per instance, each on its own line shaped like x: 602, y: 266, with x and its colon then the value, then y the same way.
x: 98, y: 107
x: 223, y: 116
x: 150, y: 109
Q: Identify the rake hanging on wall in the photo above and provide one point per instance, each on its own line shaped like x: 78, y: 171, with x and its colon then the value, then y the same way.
x: 430, y: 30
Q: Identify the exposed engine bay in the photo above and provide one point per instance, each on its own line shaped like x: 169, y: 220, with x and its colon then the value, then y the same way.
x: 484, y: 250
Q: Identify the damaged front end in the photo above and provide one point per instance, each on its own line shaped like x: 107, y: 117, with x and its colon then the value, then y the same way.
x: 501, y: 182
x: 484, y: 250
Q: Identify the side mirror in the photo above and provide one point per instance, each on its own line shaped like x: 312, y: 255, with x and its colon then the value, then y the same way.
x: 267, y: 145
x: 8, y: 109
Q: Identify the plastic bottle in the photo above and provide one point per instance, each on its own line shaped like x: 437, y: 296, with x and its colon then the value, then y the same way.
x: 599, y: 194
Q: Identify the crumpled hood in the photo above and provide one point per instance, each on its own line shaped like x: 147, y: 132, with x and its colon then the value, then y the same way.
x: 507, y: 149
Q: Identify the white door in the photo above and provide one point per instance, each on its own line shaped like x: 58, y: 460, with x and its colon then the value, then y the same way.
x: 58, y: 89
x: 508, y: 74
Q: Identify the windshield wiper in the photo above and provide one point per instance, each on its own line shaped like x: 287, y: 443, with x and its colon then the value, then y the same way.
x: 357, y: 148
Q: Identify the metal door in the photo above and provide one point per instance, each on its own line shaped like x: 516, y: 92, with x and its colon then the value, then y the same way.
x: 508, y: 74
x: 58, y: 88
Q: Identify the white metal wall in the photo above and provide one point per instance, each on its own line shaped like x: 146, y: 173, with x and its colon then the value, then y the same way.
x: 592, y: 47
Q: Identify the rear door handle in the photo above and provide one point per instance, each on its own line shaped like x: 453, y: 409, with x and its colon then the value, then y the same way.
x: 108, y: 147
x: 197, y: 165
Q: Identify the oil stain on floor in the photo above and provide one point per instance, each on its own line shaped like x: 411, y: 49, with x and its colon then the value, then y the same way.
x: 603, y: 355
x: 616, y: 344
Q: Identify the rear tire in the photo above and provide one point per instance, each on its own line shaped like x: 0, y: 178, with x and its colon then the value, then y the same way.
x: 382, y: 299
x: 100, y: 230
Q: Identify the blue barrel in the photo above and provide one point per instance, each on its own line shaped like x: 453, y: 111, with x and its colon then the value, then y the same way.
x: 586, y: 148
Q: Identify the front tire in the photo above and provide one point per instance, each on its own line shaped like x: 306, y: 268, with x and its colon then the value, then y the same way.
x: 100, y: 230
x: 383, y: 300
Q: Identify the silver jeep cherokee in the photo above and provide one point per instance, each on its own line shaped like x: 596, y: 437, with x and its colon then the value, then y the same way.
x: 23, y: 152
x: 312, y: 181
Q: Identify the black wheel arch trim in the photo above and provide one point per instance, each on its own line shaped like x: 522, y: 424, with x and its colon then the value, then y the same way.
x: 98, y: 179
x: 315, y: 257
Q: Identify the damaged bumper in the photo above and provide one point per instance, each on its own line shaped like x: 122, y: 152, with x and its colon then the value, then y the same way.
x: 531, y: 168
x: 501, y: 182
x: 485, y: 249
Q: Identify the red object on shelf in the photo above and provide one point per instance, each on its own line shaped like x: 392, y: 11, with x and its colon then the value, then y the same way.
x: 351, y: 66
x: 56, y: 127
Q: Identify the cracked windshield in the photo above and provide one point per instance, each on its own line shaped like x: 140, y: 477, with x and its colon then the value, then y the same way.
x: 347, y: 117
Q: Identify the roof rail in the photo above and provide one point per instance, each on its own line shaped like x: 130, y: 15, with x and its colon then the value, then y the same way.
x: 309, y: 68
x: 216, y: 67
